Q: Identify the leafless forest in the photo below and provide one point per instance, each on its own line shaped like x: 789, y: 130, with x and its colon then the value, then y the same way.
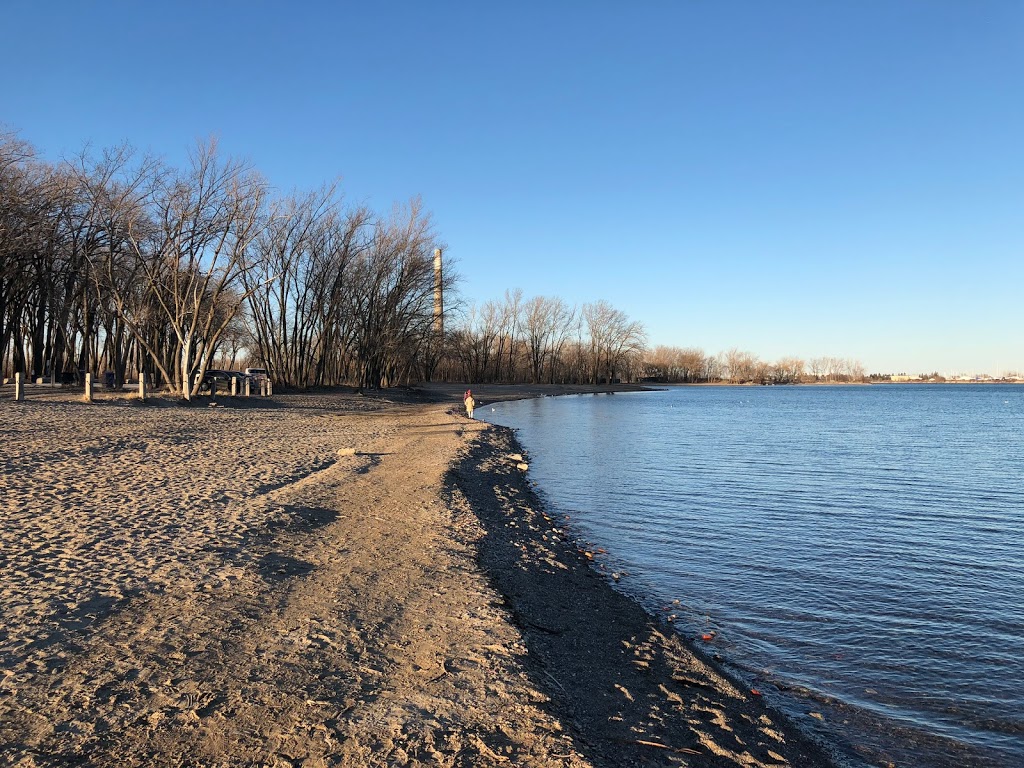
x: 117, y: 263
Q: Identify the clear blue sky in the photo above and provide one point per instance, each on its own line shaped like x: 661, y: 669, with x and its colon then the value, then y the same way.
x: 806, y: 178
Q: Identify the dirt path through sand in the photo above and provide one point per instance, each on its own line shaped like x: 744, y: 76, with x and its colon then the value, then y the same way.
x: 355, y: 630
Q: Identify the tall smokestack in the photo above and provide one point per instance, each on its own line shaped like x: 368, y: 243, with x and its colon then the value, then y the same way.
x: 438, y: 295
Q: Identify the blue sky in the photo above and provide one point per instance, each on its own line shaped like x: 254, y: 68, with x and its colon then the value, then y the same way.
x: 790, y: 178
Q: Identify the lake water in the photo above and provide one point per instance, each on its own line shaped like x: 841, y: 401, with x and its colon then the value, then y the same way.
x: 856, y: 551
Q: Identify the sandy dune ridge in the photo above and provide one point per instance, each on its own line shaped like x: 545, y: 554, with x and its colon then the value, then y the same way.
x: 193, y: 586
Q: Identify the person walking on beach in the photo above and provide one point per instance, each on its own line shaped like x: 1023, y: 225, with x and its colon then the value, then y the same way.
x: 470, y: 402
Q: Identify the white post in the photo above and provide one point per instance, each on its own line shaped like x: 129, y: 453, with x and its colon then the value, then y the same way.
x: 88, y: 387
x: 234, y: 387
x: 248, y: 386
x: 19, y: 388
x: 142, y: 387
x: 270, y: 388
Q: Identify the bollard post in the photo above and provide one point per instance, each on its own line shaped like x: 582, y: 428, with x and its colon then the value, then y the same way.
x: 270, y: 388
x: 248, y: 386
x: 234, y: 387
x: 88, y: 387
x: 19, y: 388
x: 142, y: 387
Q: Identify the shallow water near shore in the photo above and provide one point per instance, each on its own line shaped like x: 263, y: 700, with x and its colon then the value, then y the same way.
x: 853, y: 551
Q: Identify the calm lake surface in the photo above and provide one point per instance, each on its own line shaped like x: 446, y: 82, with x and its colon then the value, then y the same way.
x: 857, y: 551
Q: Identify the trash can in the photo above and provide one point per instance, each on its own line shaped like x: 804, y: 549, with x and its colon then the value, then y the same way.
x: 108, y: 379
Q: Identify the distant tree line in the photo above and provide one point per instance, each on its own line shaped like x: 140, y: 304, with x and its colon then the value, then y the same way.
x: 692, y: 366
x: 543, y: 340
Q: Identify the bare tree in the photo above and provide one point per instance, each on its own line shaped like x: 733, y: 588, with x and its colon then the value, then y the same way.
x: 675, y: 364
x: 712, y: 370
x: 477, y: 342
x: 392, y: 297
x: 508, y: 338
x: 740, y: 366
x: 204, y: 221
x: 565, y: 320
x: 17, y: 211
x: 296, y: 286
x: 613, y: 339
x: 788, y: 370
x: 547, y: 323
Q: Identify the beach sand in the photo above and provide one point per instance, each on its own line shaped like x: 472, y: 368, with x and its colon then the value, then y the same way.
x: 325, y: 580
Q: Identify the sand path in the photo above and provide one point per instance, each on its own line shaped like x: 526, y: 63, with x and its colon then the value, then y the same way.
x: 347, y: 626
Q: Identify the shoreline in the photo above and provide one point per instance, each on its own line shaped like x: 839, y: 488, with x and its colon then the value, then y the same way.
x: 591, y: 640
x: 853, y: 730
x: 496, y: 393
x: 334, y: 580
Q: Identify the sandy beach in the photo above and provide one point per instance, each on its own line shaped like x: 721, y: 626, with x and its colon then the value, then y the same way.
x: 326, y: 580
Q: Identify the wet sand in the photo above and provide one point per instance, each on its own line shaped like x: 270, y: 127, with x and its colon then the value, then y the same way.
x: 325, y: 580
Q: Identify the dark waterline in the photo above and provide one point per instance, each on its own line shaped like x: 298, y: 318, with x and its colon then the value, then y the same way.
x: 854, y: 548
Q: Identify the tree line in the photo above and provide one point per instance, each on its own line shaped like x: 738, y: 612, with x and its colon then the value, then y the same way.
x: 120, y: 262
x: 692, y: 366
x: 544, y: 340
x: 117, y: 261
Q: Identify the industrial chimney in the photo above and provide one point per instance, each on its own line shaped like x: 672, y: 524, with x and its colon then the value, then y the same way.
x: 438, y: 295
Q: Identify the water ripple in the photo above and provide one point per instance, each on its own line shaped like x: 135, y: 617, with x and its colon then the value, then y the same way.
x: 857, y: 546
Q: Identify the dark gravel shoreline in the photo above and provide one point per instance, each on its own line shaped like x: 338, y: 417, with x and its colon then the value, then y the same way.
x: 633, y: 692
